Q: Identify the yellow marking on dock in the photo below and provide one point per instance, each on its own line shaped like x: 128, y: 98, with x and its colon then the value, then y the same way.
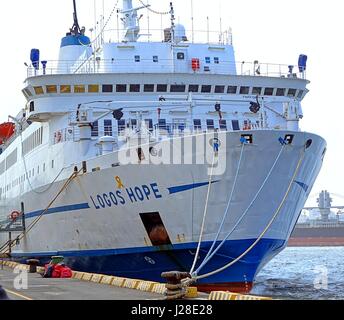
x: 96, y: 278
x: 131, y: 283
x: 146, y: 286
x: 118, y: 282
x: 159, y: 288
x: 107, y: 280
x: 87, y: 277
x: 18, y: 295
x: 228, y: 296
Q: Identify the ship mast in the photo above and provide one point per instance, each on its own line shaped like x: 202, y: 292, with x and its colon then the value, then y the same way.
x: 131, y: 21
x: 76, y: 30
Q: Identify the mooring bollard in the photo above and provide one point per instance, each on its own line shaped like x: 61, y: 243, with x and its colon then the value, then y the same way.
x: 33, y: 263
x: 175, y: 289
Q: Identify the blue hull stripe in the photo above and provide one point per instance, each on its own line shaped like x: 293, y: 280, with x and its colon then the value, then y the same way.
x: 148, y: 263
x: 63, y: 209
x: 188, y: 187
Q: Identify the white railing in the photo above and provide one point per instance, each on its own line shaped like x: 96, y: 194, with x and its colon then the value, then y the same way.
x: 99, y: 66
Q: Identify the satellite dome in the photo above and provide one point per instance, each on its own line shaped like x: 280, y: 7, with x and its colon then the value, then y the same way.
x: 180, y: 33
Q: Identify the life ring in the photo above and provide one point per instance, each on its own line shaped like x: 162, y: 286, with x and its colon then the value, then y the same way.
x: 14, y: 215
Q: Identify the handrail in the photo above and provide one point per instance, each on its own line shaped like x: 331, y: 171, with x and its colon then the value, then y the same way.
x: 145, y: 66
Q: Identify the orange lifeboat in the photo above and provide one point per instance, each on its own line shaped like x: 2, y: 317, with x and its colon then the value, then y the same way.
x: 6, y: 131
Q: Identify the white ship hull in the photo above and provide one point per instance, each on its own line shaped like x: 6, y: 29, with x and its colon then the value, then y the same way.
x: 96, y: 222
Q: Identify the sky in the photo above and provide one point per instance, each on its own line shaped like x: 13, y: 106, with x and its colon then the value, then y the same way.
x: 270, y: 31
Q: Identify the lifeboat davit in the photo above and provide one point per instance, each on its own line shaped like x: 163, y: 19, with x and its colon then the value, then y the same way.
x: 6, y: 131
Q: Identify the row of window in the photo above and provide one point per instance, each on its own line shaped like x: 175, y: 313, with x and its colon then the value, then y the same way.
x: 180, y: 56
x: 164, y: 88
x: 30, y: 174
x: 33, y: 141
x: 29, y: 144
x: 9, y: 162
x: 180, y: 124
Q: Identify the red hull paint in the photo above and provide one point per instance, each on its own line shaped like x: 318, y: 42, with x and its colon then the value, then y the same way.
x: 317, y: 242
x: 243, y: 288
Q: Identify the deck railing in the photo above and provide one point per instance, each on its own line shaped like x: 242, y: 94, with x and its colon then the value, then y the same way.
x: 99, y: 66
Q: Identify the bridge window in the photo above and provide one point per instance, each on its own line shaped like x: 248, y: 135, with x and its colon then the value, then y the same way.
x: 197, y: 124
x: 269, y: 91
x: 95, y: 129
x: 161, y: 88
x: 149, y: 88
x: 193, y: 88
x: 38, y: 90
x: 220, y: 89
x: 149, y: 124
x: 121, y: 126
x: 280, y: 92
x: 300, y: 94
x: 232, y: 89
x: 162, y: 124
x: 79, y: 89
x: 135, y: 88
x: 210, y: 125
x: 291, y: 92
x: 51, y: 89
x: 133, y: 123
x: 223, y: 125
x: 257, y: 91
x: 28, y: 92
x: 108, y: 128
x: 107, y: 88
x: 244, y: 90
x: 93, y: 88
x: 206, y: 89
x: 178, y: 88
x: 65, y: 89
x: 235, y: 125
x: 121, y: 88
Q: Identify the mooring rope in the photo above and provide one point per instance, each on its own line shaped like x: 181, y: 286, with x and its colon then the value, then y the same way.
x: 204, y: 215
x: 277, y: 212
x: 228, y: 206
x: 11, y: 244
x: 245, y: 212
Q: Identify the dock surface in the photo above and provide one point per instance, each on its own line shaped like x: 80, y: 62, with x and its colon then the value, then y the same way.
x: 67, y: 289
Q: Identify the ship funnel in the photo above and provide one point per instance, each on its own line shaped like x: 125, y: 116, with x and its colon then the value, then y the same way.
x: 75, y: 46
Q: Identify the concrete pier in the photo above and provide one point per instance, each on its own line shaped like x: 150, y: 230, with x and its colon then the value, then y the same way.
x: 67, y: 289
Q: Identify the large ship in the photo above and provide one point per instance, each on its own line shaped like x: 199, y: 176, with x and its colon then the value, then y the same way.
x: 320, y: 226
x: 136, y: 157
